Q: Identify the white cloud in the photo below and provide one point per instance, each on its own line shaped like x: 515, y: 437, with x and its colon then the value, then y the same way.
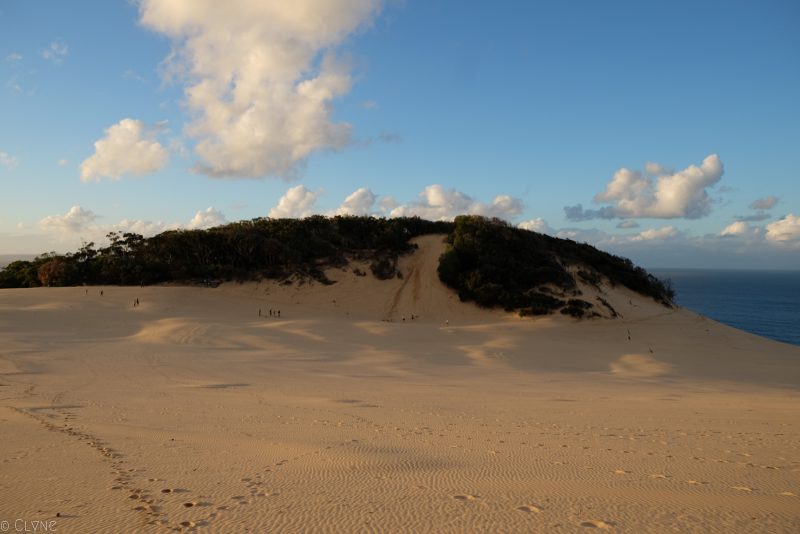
x: 387, y: 204
x: 536, y: 225
x: 655, y: 234
x: 14, y: 57
x: 134, y: 226
x: 56, y: 51
x: 207, y: 218
x: 254, y: 79
x: 437, y: 203
x: 359, y: 202
x: 74, y: 221
x: 297, y: 202
x: 369, y: 104
x: 656, y: 169
x: 62, y: 162
x: 737, y: 228
x: 764, y: 203
x: 127, y: 148
x: 7, y: 160
x: 785, y: 231
x: 667, y: 196
x: 79, y: 223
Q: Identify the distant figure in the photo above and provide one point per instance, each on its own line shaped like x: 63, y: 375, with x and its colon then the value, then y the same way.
x: 447, y: 322
x: 279, y: 313
x: 87, y: 291
x: 101, y: 292
x: 629, y: 335
x: 404, y: 318
x: 137, y: 301
x: 270, y: 312
x: 259, y: 312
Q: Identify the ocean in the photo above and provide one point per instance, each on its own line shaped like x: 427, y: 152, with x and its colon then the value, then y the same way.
x: 766, y: 303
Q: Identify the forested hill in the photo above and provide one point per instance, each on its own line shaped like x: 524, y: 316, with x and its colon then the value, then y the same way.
x: 487, y: 260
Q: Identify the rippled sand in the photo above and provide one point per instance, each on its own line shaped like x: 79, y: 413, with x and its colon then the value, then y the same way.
x: 193, y: 412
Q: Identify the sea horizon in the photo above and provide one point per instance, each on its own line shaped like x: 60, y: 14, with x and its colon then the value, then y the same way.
x: 765, y: 302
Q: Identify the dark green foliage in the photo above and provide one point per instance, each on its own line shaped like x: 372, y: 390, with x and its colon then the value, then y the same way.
x: 246, y: 250
x: 576, y: 308
x: 609, y: 307
x: 488, y: 261
x: 494, y: 264
x: 385, y: 267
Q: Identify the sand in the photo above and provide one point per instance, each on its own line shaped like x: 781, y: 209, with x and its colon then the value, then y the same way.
x: 190, y: 412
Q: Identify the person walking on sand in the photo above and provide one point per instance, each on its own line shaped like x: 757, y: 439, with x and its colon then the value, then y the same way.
x: 259, y: 312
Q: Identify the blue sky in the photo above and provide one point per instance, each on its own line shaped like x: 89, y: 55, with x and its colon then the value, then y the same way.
x: 674, y: 125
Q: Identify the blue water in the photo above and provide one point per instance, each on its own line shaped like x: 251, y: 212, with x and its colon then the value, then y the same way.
x: 766, y: 303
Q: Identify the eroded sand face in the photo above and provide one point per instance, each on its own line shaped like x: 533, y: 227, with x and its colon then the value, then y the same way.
x: 192, y: 412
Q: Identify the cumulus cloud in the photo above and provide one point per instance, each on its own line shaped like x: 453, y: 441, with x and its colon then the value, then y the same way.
x: 81, y: 223
x: 260, y: 77
x: 127, y: 148
x: 74, y: 221
x: 735, y: 229
x: 297, y: 202
x: 7, y: 160
x: 134, y: 226
x: 764, y: 203
x: 536, y: 225
x: 359, y: 202
x: 656, y: 194
x: 437, y: 203
x: 207, y: 218
x: 785, y: 231
x: 56, y: 51
x: 655, y: 234
x: 434, y: 202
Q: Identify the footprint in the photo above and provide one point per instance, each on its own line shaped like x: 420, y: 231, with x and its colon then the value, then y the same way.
x: 696, y: 482
x: 466, y: 497
x: 189, y: 504
x: 598, y: 523
x: 787, y: 494
x: 166, y: 490
x: 742, y: 488
x: 621, y: 472
x: 188, y: 524
x: 531, y: 508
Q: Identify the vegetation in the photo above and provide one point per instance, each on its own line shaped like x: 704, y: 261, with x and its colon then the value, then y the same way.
x: 488, y: 261
x: 246, y: 250
x: 494, y: 264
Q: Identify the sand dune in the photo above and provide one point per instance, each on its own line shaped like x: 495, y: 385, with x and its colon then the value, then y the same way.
x: 192, y: 412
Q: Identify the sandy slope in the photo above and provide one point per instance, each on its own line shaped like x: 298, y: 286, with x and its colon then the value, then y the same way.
x: 192, y: 412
